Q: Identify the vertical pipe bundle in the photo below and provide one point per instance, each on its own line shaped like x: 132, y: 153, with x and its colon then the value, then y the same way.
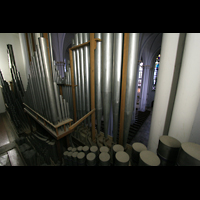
x: 50, y: 90
x: 98, y: 99
x: 107, y: 44
x: 130, y: 82
x: 116, y: 81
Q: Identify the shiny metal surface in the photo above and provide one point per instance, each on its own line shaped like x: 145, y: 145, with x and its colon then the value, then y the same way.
x: 75, y: 80
x: 82, y: 73
x: 107, y: 47
x: 44, y: 82
x: 87, y: 74
x: 78, y: 76
x: 130, y: 82
x: 49, y: 80
x: 98, y: 96
x: 116, y: 81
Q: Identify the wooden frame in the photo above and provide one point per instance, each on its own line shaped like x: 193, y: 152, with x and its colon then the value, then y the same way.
x: 123, y: 87
x: 42, y: 121
x: 92, y: 43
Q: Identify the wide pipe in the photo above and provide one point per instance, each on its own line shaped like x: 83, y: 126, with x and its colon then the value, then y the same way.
x: 87, y: 73
x: 107, y: 48
x: 130, y: 82
x: 44, y: 81
x: 98, y: 98
x: 116, y: 81
x: 49, y: 80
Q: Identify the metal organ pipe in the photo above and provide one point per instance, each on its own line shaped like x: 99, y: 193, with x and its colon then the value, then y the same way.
x: 43, y: 46
x: 78, y: 76
x: 82, y: 74
x: 116, y: 81
x: 130, y: 82
x: 87, y: 73
x: 98, y: 99
x: 76, y: 80
x: 107, y: 47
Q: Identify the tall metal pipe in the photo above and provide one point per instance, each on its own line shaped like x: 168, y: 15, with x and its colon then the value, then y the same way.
x: 78, y: 75
x: 107, y: 48
x: 98, y: 98
x: 116, y: 80
x: 130, y: 82
x: 82, y: 73
x: 49, y: 80
x: 44, y: 82
x: 87, y: 73
x: 75, y: 80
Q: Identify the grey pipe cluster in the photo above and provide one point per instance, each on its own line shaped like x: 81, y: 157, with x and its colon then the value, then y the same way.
x: 112, y: 48
x: 42, y: 94
x: 81, y: 63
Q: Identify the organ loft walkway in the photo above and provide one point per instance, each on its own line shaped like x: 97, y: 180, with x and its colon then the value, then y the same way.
x: 9, y: 152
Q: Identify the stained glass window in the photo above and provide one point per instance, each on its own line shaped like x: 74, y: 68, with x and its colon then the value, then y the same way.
x: 155, y: 75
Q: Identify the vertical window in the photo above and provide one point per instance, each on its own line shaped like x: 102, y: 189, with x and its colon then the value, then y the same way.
x: 155, y: 75
x: 140, y: 75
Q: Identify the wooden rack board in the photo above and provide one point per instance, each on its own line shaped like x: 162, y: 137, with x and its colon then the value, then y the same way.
x: 43, y: 122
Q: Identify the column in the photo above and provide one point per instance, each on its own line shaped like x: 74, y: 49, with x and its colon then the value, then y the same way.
x: 188, y: 90
x: 171, y: 55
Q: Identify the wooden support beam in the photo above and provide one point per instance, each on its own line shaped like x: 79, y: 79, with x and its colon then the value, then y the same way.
x: 73, y: 88
x: 80, y: 120
x: 92, y: 82
x: 123, y: 87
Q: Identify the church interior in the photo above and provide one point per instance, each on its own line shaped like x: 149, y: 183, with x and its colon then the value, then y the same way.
x: 99, y: 99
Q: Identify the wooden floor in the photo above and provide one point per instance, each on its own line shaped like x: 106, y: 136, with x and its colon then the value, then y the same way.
x: 9, y: 152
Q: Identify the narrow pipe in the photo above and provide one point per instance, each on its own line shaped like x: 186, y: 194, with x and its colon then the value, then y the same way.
x: 49, y: 80
x: 87, y: 74
x: 116, y: 81
x: 107, y: 44
x: 98, y: 96
x: 62, y: 107
x: 130, y: 82
x: 57, y: 101
x: 78, y: 75
x: 65, y: 108
x: 82, y: 73
x: 75, y: 79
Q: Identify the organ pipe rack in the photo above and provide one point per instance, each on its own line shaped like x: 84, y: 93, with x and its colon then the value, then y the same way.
x: 42, y: 121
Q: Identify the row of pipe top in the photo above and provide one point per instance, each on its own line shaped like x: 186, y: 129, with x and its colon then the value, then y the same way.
x: 42, y: 94
x: 108, y: 76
